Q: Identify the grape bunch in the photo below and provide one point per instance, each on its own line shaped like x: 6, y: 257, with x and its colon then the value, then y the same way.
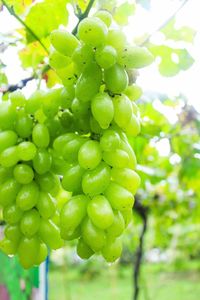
x: 67, y: 169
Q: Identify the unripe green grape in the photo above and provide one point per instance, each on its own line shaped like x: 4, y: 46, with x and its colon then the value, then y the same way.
x: 12, y: 214
x: 5, y: 174
x: 106, y: 57
x: 100, y: 212
x: 103, y: 109
x: 42, y: 254
x: 116, y: 158
x: 116, y: 79
x: 80, y: 108
x: 70, y: 235
x: 40, y: 136
x: 89, y: 155
x: 72, y: 179
x: 64, y: 42
x: 83, y: 56
x: 112, y: 250
x: 58, y: 60
x: 94, y: 125
x: 66, y: 119
x: 61, y: 141
x: 127, y: 215
x: 110, y: 140
x: 9, y: 157
x: 89, y: 83
x: 8, y: 247
x: 13, y: 233
x: 30, y: 222
x: 134, y: 57
x: 104, y: 16
x: 26, y: 151
x: 17, y: 99
x: 8, y: 191
x: 122, y: 110
x: 132, y: 158
x: 132, y: 128
x: 49, y: 183
x: 28, y: 250
x: 42, y: 161
x: 83, y: 250
x: 119, y: 197
x: 96, y: 181
x: 67, y: 95
x: 127, y: 178
x: 116, y: 38
x: 73, y: 213
x: 135, y: 109
x: 28, y: 196
x: 23, y: 173
x: 46, y: 205
x: 8, y: 138
x: 49, y: 233
x: 70, y: 149
x: 92, y: 31
x: 94, y: 237
x: 58, y: 166
x: 34, y: 102
x: 54, y: 127
x: 133, y: 92
x: 24, y: 125
x: 7, y: 115
x: 51, y: 102
x: 68, y: 75
x: 117, y: 227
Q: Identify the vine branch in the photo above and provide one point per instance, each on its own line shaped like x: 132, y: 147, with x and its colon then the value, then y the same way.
x: 12, y: 12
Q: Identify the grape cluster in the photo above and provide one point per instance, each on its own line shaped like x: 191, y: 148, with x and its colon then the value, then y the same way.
x: 67, y: 170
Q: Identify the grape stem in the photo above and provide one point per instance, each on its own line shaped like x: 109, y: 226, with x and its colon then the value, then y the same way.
x: 83, y: 15
x: 34, y: 35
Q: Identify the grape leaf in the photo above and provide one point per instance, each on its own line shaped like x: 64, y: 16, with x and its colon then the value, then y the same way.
x: 19, y: 6
x: 31, y: 55
x: 3, y: 79
x: 172, y: 61
x: 123, y: 12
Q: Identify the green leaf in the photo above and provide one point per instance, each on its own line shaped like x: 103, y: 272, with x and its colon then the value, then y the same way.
x: 123, y: 12
x: 3, y: 79
x: 184, y: 33
x: 19, y: 6
x: 31, y: 55
x: 46, y: 16
x: 172, y: 61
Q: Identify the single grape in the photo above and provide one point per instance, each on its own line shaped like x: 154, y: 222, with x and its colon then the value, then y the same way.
x: 40, y: 136
x: 112, y: 250
x: 7, y: 115
x: 26, y: 151
x: 70, y: 149
x: 9, y: 157
x: 8, y: 138
x: 23, y: 173
x: 110, y: 140
x: 116, y: 158
x: 122, y: 110
x: 133, y: 92
x: 5, y: 173
x: 64, y: 42
x: 117, y: 227
x: 89, y: 155
x: 116, y: 79
x: 8, y: 191
x: 24, y: 125
x: 127, y: 178
x: 42, y: 161
x: 12, y: 214
x: 49, y: 183
x: 8, y: 247
x: 13, y: 233
x: 106, y: 57
x: 61, y: 141
x: 49, y: 233
x: 116, y: 38
x: 46, y: 205
x: 104, y: 16
x: 28, y: 250
x: 17, y: 99
x: 28, y: 196
x: 30, y: 222
x: 83, y: 56
x: 42, y: 254
x: 83, y: 250
x: 34, y: 102
x: 72, y: 179
x: 58, y: 60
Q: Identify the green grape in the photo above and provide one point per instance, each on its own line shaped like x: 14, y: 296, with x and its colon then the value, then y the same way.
x: 8, y: 191
x: 89, y: 155
x: 116, y: 158
x: 42, y: 161
x: 8, y: 247
x: 54, y: 127
x: 128, y: 149
x: 5, y: 174
x: 100, y: 212
x: 119, y: 197
x: 117, y: 227
x: 58, y: 60
x: 123, y: 110
x: 30, y: 222
x: 61, y: 141
x: 49, y: 183
x: 42, y: 254
x: 83, y: 250
x: 58, y: 166
x: 94, y: 125
x: 94, y: 237
x: 135, y: 109
x: 66, y: 119
x: 116, y: 79
x: 127, y: 215
x: 104, y: 16
x: 83, y: 124
x: 71, y: 235
x: 133, y: 92
x: 24, y: 125
x: 12, y: 214
x: 40, y: 136
x: 17, y: 99
x: 112, y: 250
x: 83, y: 56
x: 68, y: 75
x: 13, y: 233
x: 8, y: 138
x: 89, y: 83
x: 28, y: 250
x: 106, y: 57
x: 72, y: 179
x: 110, y: 140
x: 34, y: 102
x: 28, y: 196
x: 134, y: 57
x: 96, y: 181
x: 46, y: 205
x: 56, y: 218
x: 73, y: 213
x: 127, y: 178
x: 50, y: 234
x: 26, y: 151
x: 7, y: 115
x: 80, y: 108
x: 92, y: 31
x: 132, y: 128
x: 51, y: 102
x: 9, y: 157
x: 23, y: 173
x: 116, y: 38
x: 67, y: 95
x: 103, y: 109
x: 64, y: 42
x: 71, y: 149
